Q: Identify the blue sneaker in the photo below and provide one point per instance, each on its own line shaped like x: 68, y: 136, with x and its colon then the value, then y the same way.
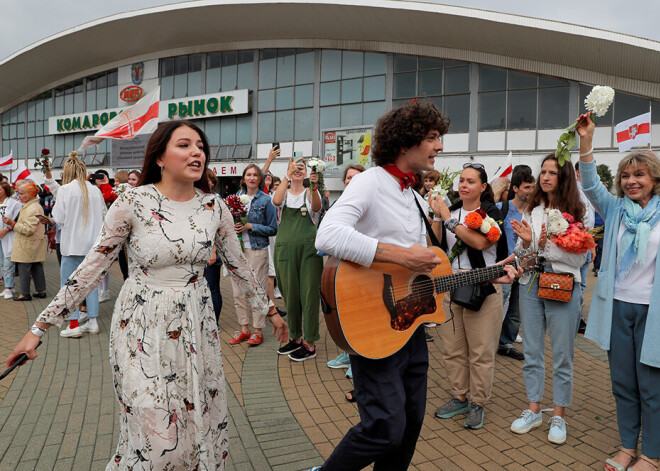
x: 342, y: 361
x: 527, y: 421
x: 557, y: 432
x: 349, y: 372
x: 452, y: 408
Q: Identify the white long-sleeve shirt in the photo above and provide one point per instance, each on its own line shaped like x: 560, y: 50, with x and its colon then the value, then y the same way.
x: 372, y: 209
x: 77, y: 238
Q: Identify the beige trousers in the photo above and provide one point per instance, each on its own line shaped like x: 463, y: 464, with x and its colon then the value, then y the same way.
x: 258, y: 260
x: 469, y: 352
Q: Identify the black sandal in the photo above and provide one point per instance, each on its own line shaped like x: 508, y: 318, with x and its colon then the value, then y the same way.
x: 350, y: 396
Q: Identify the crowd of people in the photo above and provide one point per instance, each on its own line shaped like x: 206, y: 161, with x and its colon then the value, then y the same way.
x: 173, y: 236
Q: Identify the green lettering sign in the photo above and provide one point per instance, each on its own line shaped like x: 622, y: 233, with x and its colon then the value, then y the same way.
x: 67, y: 124
x: 212, y: 105
x: 104, y: 119
x: 75, y: 122
x: 199, y: 107
x: 60, y: 125
x: 171, y: 110
x: 86, y: 124
x: 112, y: 115
x: 96, y: 119
x: 225, y: 104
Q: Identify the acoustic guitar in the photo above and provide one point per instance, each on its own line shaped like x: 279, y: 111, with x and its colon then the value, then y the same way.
x: 374, y: 311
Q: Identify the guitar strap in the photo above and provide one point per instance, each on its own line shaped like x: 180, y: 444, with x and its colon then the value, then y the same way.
x: 429, y: 230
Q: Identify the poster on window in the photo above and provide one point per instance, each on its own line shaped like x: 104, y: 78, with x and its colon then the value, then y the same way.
x: 348, y: 146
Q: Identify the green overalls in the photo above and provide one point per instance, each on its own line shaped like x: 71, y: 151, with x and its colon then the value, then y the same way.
x: 298, y: 269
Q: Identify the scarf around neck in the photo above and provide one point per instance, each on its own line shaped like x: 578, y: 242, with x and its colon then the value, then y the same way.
x: 639, y: 223
x: 408, y: 180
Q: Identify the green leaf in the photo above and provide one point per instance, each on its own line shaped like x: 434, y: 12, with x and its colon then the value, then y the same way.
x: 570, y: 143
x: 572, y: 127
x: 564, y: 137
x: 567, y: 155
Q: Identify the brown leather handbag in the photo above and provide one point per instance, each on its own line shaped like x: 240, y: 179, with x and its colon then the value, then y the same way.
x: 556, y: 286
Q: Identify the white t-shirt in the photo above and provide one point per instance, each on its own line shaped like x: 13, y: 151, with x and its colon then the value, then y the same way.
x: 11, y: 210
x: 296, y: 201
x: 463, y: 261
x: 245, y: 234
x: 637, y: 286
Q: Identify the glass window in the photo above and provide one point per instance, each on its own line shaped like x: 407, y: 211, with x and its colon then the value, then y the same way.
x: 304, y: 124
x: 229, y: 58
x: 305, y: 67
x: 245, y: 76
x: 284, y: 126
x: 373, y: 111
x: 521, y: 80
x: 229, y: 77
x: 491, y: 78
x: 430, y: 63
x: 522, y: 109
x: 492, y: 110
x: 194, y: 83
x: 351, y: 90
x: 68, y: 103
x: 59, y: 145
x: 266, y: 100
x: 195, y: 63
x: 102, y: 81
x: 374, y: 88
x: 31, y: 150
x: 213, y: 60
x: 102, y: 98
x: 228, y: 130
x: 180, y: 85
x: 48, y: 107
x: 181, y: 65
x: 330, y: 93
x: 31, y: 110
x: 266, y: 126
x: 628, y: 106
x: 91, y: 100
x: 285, y: 70
x: 284, y: 98
x: 330, y: 65
x: 166, y: 68
x: 245, y: 57
x: 30, y: 129
x: 351, y: 115
x: 212, y: 80
x: 267, y: 73
x: 457, y: 108
x: 352, y: 64
x: 59, y: 105
x: 553, y: 107
x: 166, y: 90
x: 112, y: 97
x: 304, y: 96
x: 404, y: 85
x: 404, y: 63
x: 213, y: 131
x: 457, y: 80
x: 374, y: 64
x: 243, y: 129
x: 430, y: 82
x: 329, y: 117
x: 655, y: 111
x: 551, y: 82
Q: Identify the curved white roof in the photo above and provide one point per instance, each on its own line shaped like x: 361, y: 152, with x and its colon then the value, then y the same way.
x: 574, y: 52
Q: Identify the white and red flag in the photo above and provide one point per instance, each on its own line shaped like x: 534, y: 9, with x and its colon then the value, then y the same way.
x: 634, y: 132
x: 22, y: 173
x: 141, y: 118
x: 507, y: 168
x: 7, y: 159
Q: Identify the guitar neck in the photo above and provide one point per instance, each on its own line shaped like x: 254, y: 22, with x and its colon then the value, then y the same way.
x: 471, y: 277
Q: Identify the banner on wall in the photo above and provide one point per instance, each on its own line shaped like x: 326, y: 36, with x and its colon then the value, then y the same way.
x: 634, y: 132
x: 347, y: 146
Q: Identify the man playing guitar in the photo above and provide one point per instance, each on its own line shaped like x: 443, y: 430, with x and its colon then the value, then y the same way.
x: 376, y: 220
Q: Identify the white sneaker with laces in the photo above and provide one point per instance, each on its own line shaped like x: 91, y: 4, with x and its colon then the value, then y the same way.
x: 72, y: 333
x: 104, y: 296
x: 527, y: 421
x: 518, y: 339
x: 8, y: 293
x: 90, y: 329
x: 557, y: 432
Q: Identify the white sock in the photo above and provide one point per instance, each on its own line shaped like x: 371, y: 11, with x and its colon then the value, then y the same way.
x: 91, y: 322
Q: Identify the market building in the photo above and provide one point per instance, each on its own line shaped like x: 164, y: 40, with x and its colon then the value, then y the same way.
x: 315, y: 76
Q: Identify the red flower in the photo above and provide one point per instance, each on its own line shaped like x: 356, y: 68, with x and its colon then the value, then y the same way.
x: 481, y: 213
x: 45, y: 152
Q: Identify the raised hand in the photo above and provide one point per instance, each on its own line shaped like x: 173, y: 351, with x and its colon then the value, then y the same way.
x: 522, y: 230
x: 439, y: 207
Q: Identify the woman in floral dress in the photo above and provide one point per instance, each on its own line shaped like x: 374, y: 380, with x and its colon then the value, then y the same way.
x: 164, y: 345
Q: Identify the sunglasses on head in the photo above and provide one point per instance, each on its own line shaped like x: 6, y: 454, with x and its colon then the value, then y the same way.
x: 472, y: 165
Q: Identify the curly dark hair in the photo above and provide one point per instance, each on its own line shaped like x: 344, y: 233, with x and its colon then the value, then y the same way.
x: 405, y: 127
x: 569, y: 201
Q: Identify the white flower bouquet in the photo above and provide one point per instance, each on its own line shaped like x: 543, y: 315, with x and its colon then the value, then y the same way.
x: 318, y: 166
x: 597, y: 103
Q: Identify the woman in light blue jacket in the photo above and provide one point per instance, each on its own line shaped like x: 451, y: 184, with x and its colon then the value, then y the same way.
x: 624, y: 318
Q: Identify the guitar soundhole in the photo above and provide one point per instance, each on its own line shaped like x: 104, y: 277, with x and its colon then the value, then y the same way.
x: 419, y: 301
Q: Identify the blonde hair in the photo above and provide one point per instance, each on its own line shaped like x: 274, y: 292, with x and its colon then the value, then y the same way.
x: 75, y: 169
x: 499, y: 186
x: 121, y: 176
x: 636, y: 159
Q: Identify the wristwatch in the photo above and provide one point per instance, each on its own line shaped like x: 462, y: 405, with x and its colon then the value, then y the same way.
x: 38, y: 331
x: 451, y: 224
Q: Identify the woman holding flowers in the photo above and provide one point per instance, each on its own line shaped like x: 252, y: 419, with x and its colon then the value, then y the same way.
x: 297, y: 265
x: 470, y: 343
x: 261, y: 223
x: 624, y: 318
x: 556, y: 190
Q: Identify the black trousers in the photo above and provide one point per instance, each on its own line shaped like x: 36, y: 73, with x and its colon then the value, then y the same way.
x: 212, y: 275
x: 391, y: 398
x: 34, y: 270
x: 123, y: 263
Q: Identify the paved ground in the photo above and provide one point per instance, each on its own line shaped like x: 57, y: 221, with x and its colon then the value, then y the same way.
x: 59, y: 412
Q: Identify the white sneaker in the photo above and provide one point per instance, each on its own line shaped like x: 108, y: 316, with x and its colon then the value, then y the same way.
x: 104, y: 296
x: 526, y: 422
x: 277, y: 293
x: 7, y: 293
x: 72, y: 333
x: 557, y: 432
x: 519, y: 339
x: 89, y: 329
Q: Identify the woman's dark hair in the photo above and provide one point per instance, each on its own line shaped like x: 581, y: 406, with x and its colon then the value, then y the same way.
x: 487, y: 194
x: 358, y: 167
x: 259, y: 172
x: 211, y: 176
x: 569, y: 200
x: 151, y: 172
x: 405, y: 127
x: 7, y: 187
x: 136, y: 172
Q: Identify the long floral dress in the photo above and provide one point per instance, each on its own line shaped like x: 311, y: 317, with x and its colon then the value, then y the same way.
x: 164, y: 346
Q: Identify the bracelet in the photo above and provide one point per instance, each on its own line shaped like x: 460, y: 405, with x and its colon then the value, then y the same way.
x: 436, y: 218
x: 273, y: 314
x: 451, y: 224
x: 590, y: 151
x: 38, y: 331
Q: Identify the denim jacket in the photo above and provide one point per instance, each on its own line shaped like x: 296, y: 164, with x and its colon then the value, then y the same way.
x: 263, y: 217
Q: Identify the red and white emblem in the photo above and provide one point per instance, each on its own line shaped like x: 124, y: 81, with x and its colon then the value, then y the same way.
x: 633, y: 131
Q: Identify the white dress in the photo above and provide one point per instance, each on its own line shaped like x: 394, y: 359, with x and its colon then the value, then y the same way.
x: 164, y: 345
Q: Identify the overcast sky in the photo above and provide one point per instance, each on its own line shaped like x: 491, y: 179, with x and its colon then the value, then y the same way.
x: 23, y: 22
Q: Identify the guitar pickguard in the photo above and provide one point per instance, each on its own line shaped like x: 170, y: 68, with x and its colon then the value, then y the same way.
x: 406, y: 310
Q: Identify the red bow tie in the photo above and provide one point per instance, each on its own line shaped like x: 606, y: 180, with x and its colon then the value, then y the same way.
x: 408, y: 180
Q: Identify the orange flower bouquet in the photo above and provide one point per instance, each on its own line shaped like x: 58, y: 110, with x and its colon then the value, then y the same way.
x: 480, y: 221
x: 567, y: 234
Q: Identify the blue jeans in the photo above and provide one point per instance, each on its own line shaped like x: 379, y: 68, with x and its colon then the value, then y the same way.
x: 511, y: 323
x: 69, y: 265
x: 561, y: 320
x: 634, y: 384
x: 7, y: 270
